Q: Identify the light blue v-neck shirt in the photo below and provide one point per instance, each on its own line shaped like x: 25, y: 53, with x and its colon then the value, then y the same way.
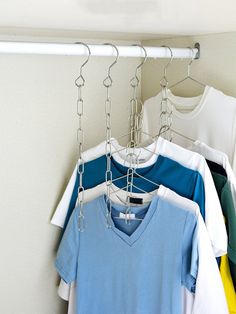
x: 135, y: 268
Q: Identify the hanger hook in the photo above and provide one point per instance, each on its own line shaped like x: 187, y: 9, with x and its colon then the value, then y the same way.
x: 170, y: 61
x: 135, y: 80
x: 145, y: 56
x: 191, y: 61
x: 164, y: 81
x: 79, y: 82
x: 108, y: 80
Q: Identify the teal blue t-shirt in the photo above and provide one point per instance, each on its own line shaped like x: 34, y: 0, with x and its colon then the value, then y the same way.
x: 135, y: 268
x: 184, y: 181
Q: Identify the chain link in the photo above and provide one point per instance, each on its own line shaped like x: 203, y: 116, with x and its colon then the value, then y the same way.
x: 134, y: 114
x: 164, y: 105
x: 108, y: 173
x: 80, y: 165
x: 165, y: 109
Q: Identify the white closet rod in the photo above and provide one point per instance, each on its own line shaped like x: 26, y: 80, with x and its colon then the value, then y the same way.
x: 96, y: 50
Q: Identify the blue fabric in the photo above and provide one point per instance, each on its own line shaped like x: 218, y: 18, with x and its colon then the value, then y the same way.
x: 131, y: 268
x: 165, y: 171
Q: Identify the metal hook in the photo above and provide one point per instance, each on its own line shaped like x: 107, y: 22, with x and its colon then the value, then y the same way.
x: 191, y: 61
x: 108, y: 80
x: 135, y: 81
x: 171, y: 59
x: 164, y: 81
x: 79, y: 82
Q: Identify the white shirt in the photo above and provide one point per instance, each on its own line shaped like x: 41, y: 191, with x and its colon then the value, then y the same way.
x: 210, y: 118
x: 213, y: 213
x: 209, y: 297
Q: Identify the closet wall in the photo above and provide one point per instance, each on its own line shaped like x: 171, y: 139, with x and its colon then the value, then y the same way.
x: 216, y: 67
x: 38, y: 126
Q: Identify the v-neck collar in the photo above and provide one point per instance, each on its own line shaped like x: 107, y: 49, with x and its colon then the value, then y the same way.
x: 131, y: 239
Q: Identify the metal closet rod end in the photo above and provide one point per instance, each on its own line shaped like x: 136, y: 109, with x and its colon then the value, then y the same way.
x: 197, y: 45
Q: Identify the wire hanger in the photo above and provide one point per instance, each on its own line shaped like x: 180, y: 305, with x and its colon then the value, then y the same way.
x: 168, y: 126
x: 131, y: 172
x: 189, y: 77
x: 177, y: 133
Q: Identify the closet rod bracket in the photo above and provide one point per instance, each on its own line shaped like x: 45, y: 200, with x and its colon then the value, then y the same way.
x: 197, y: 46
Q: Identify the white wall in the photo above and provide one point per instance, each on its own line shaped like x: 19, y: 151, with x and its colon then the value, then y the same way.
x: 38, y: 125
x: 216, y: 67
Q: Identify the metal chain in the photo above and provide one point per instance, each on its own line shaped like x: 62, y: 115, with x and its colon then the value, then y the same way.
x: 108, y: 174
x: 165, y: 114
x: 130, y: 181
x: 164, y: 106
x: 170, y: 121
x: 135, y: 124
x: 79, y: 82
x: 134, y: 116
x: 80, y: 167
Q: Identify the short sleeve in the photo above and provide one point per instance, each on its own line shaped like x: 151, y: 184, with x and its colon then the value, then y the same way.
x: 199, y: 194
x: 67, y: 254
x: 190, y: 253
x: 230, y: 216
x: 67, y: 201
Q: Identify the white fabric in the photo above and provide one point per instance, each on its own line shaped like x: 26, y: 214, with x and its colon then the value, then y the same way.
x: 213, y: 213
x: 213, y: 119
x: 221, y: 159
x: 209, y: 297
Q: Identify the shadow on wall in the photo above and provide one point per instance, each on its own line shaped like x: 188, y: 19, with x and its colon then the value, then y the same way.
x: 120, y: 7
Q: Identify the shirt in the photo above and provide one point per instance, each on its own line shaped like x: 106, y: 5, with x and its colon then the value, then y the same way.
x: 225, y: 195
x: 213, y: 166
x: 221, y: 159
x: 209, y: 295
x: 228, y: 284
x: 117, y: 259
x: 214, y: 221
x: 204, y: 122
x: 149, y: 155
x: 165, y: 171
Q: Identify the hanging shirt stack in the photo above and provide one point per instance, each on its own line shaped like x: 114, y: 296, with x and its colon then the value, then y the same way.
x: 186, y: 181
